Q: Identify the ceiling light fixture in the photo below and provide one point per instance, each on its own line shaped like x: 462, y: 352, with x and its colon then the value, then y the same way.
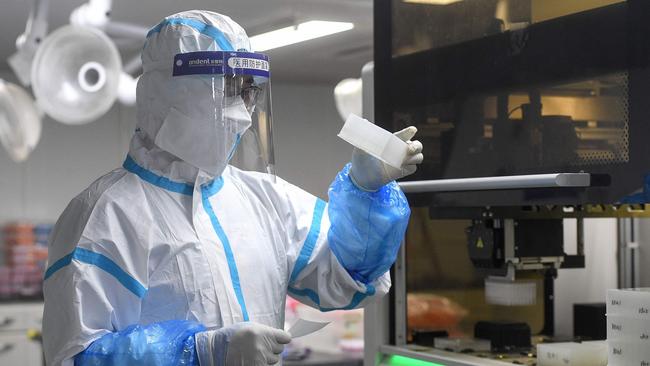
x: 299, y: 33
x: 432, y: 2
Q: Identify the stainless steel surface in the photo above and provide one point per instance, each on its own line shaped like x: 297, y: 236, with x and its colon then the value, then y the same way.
x: 628, y: 253
x: 509, y: 239
x: 493, y: 183
x: 375, y: 328
x: 399, y: 285
x: 376, y: 325
x: 580, y: 232
x: 367, y: 91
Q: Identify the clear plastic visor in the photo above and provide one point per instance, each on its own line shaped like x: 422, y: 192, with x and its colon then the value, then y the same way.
x: 234, y: 103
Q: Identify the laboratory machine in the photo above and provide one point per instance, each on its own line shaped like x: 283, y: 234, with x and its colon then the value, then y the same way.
x: 534, y: 116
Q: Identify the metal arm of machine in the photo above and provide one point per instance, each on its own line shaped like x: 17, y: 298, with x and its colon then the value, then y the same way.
x: 96, y: 13
x: 27, y: 43
x: 556, y: 180
x: 36, y: 27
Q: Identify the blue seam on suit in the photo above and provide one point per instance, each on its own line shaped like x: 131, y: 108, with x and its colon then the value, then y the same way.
x: 199, y: 26
x: 155, y: 179
x: 207, y: 191
x: 103, y: 262
x: 313, y: 296
x: 310, y: 240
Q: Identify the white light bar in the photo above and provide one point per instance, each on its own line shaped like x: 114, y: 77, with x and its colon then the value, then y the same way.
x: 295, y: 34
x: 432, y: 2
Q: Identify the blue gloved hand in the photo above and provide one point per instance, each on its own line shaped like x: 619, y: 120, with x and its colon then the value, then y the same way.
x: 241, y: 344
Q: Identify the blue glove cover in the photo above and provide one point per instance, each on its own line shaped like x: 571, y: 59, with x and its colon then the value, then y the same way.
x: 164, y: 343
x: 366, y: 227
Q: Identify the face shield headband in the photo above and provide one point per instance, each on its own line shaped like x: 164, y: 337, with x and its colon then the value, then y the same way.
x: 244, y: 73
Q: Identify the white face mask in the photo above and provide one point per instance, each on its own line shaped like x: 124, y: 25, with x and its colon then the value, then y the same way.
x: 206, y: 139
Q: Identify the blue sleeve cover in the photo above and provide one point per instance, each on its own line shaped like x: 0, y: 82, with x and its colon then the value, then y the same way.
x: 367, y: 228
x: 164, y: 343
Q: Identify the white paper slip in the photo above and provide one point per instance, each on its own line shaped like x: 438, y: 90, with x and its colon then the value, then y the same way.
x: 303, y: 327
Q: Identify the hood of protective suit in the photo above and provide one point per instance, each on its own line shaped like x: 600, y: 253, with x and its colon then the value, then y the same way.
x: 160, y: 126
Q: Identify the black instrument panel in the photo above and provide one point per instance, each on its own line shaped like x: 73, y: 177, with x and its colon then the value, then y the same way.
x: 498, y: 90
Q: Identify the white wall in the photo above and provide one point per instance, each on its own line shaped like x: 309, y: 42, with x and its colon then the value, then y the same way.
x: 69, y: 158
x: 66, y: 160
x: 587, y: 284
x: 308, y: 152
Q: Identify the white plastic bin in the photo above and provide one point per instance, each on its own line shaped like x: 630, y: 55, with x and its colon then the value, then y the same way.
x: 626, y: 329
x: 632, y: 303
x: 627, y: 354
x: 572, y: 354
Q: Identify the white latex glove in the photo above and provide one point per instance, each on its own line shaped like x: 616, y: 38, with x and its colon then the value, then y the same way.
x: 242, y: 344
x: 370, y: 174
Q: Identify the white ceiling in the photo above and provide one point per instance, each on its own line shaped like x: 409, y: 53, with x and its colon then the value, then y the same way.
x: 325, y: 60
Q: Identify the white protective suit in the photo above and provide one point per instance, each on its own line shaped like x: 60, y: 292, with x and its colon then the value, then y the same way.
x: 159, y: 240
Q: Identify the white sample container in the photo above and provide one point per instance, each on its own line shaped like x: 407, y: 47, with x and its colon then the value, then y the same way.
x: 627, y: 354
x: 632, y: 303
x: 628, y: 327
x: 625, y: 329
x: 374, y: 140
x: 572, y: 354
x: 500, y: 291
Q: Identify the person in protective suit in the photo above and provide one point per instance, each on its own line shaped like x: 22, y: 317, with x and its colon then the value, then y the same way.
x: 179, y: 257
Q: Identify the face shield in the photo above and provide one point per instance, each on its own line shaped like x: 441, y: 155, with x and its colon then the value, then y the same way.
x: 221, y: 113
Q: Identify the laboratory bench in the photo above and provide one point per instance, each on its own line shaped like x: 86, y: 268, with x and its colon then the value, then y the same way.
x: 20, y: 328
